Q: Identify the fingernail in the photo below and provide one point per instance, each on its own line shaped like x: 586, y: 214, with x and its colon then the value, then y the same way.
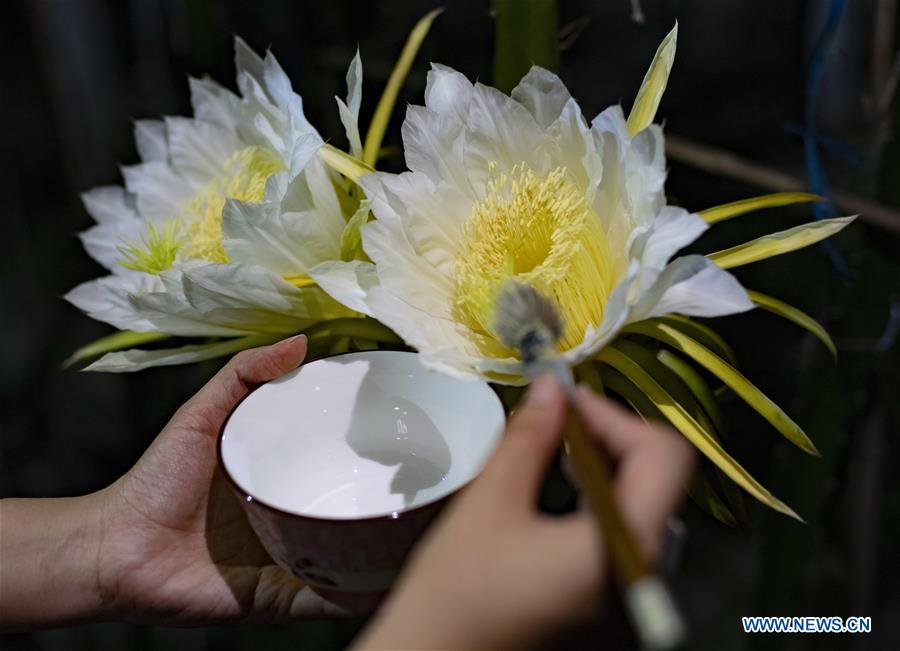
x: 543, y: 390
x: 291, y: 340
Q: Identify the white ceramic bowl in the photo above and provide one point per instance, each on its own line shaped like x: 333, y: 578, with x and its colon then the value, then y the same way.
x: 368, y: 437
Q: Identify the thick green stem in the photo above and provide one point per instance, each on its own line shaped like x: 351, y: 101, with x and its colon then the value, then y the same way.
x: 527, y: 34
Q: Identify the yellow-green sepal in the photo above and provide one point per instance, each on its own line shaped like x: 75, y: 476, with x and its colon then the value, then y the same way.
x: 731, y: 510
x: 351, y: 238
x: 702, y: 492
x: 365, y: 328
x: 676, y: 414
x: 667, y: 379
x: 794, y: 315
x: 768, y: 246
x: 135, y: 359
x: 701, y: 391
x: 385, y: 107
x: 702, y: 333
x: 742, y: 207
x: 730, y: 376
x: 344, y: 163
x: 115, y: 341
x: 654, y: 85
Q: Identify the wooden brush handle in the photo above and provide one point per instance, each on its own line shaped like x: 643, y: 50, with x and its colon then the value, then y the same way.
x: 649, y: 604
x: 594, y: 471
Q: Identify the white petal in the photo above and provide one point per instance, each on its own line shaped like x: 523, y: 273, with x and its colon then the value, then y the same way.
x: 102, y: 241
x: 349, y: 111
x: 247, y: 63
x: 570, y: 144
x: 255, y: 299
x: 432, y: 216
x: 171, y: 313
x: 501, y: 132
x: 273, y: 136
x: 278, y: 86
x: 214, y: 103
x: 107, y: 299
x: 403, y: 273
x: 199, y: 149
x: 631, y: 192
x: 160, y: 192
x: 287, y: 243
x: 670, y: 232
x: 433, y: 145
x: 349, y: 283
x: 354, y: 85
x: 318, y: 178
x: 616, y: 314
x: 150, y: 139
x: 694, y: 286
x: 443, y: 344
x: 448, y: 92
x: 109, y: 204
x: 129, y: 361
x: 351, y: 127
x: 543, y: 94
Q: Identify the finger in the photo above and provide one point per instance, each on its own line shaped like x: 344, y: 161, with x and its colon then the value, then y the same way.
x: 531, y: 438
x: 618, y: 430
x: 655, y: 464
x: 243, y: 372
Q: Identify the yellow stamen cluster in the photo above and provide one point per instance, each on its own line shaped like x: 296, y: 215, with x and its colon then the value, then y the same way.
x: 156, y: 251
x: 537, y: 230
x: 199, y: 223
x: 246, y: 173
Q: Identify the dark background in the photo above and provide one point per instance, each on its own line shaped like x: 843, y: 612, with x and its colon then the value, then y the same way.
x: 75, y: 74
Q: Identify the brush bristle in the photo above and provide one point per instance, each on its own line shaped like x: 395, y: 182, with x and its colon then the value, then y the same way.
x: 524, y: 318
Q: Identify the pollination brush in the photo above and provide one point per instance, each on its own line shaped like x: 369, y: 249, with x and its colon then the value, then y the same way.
x: 529, y: 322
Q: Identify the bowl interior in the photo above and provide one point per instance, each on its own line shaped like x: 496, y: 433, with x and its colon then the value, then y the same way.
x: 360, y: 435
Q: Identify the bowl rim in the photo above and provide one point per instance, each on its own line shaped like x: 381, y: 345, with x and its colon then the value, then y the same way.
x: 249, y: 498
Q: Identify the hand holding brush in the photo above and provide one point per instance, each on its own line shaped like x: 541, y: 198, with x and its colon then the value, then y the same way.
x: 529, y: 323
x: 494, y: 572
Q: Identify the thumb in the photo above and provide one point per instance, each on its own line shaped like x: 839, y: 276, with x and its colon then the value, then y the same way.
x: 531, y: 439
x: 243, y: 373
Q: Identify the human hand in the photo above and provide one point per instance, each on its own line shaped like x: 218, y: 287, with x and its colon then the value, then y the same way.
x: 168, y: 542
x: 178, y: 544
x: 496, y: 573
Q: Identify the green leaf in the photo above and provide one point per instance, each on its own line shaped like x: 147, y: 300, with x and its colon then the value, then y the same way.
x: 344, y: 163
x: 115, y: 341
x: 676, y: 414
x: 768, y: 246
x: 129, y: 361
x: 730, y: 376
x: 742, y: 207
x: 527, y: 34
x: 654, y: 85
x: 791, y: 313
x: 385, y: 108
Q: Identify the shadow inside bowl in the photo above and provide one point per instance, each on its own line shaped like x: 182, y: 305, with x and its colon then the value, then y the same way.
x: 404, y: 436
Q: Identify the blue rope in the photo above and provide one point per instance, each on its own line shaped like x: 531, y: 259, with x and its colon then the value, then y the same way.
x: 818, y: 183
